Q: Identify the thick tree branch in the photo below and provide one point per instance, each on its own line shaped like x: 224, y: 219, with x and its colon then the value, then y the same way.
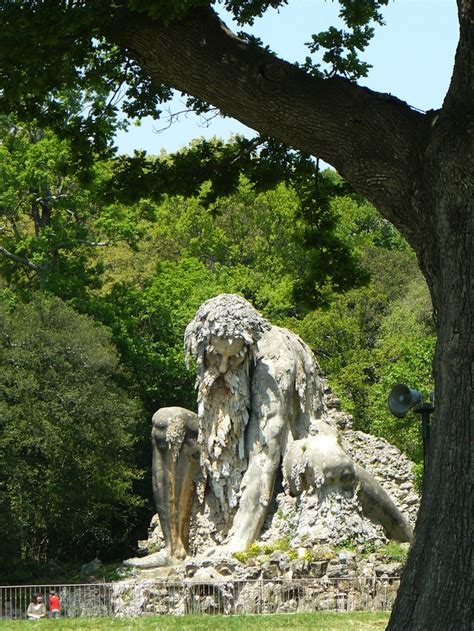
x: 372, y: 139
x: 20, y: 259
x: 92, y: 244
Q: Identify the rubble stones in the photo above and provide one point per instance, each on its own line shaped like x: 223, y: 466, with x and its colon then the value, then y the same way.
x: 344, y: 587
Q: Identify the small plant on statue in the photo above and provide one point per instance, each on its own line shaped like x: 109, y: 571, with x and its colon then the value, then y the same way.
x: 394, y: 551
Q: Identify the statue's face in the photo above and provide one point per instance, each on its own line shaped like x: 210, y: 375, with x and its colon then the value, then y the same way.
x: 225, y: 354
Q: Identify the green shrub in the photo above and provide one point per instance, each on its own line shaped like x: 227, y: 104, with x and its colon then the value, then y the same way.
x: 394, y: 551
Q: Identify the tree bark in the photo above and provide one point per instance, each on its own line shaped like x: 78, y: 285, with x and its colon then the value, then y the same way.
x: 417, y: 169
x: 437, y: 585
x: 436, y: 589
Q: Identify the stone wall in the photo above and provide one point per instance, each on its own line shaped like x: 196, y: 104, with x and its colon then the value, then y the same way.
x: 233, y: 597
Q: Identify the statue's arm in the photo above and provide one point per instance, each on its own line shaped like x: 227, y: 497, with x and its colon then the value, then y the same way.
x: 377, y: 505
x: 257, y: 489
x: 266, y: 436
x: 175, y: 463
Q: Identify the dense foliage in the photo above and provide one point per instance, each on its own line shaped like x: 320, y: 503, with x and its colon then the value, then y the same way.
x: 49, y: 221
x: 67, y: 435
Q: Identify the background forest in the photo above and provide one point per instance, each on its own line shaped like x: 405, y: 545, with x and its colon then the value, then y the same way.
x: 103, y: 264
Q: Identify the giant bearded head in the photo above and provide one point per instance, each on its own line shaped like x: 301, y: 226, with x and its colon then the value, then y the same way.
x: 222, y: 338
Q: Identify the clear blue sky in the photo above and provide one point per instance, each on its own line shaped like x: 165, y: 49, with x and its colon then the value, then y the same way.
x: 412, y: 58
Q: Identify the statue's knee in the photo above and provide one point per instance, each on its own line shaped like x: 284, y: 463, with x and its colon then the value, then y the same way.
x: 160, y: 423
x: 175, y: 426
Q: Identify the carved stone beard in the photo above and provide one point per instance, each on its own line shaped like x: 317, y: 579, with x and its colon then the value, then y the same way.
x: 223, y: 409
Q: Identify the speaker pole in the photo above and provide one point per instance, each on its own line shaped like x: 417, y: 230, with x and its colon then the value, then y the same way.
x: 400, y: 400
x: 425, y: 410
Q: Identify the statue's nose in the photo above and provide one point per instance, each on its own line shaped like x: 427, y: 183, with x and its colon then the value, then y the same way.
x: 223, y: 365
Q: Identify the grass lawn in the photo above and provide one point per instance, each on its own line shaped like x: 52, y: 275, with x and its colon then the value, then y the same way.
x: 360, y: 621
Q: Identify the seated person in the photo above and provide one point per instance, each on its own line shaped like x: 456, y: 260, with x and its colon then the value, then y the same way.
x: 54, y: 605
x: 36, y: 609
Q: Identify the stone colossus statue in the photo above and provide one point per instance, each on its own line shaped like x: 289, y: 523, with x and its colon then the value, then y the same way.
x: 260, y: 409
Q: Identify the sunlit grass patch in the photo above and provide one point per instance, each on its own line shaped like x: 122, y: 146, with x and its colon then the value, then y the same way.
x: 358, y: 621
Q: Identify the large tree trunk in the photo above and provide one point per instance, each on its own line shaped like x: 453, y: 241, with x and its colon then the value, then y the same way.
x: 436, y: 589
x: 418, y: 171
x: 437, y: 585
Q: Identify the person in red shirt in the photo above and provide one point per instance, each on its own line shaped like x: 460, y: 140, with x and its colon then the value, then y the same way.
x: 54, y: 605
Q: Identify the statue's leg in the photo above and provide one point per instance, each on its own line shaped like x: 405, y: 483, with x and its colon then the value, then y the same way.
x: 175, y: 464
x: 378, y: 506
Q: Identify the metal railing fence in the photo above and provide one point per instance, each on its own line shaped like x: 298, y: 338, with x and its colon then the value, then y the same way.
x: 76, y: 600
x: 134, y: 597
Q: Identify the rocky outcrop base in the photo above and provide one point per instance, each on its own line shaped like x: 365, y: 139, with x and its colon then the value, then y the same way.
x: 231, y: 597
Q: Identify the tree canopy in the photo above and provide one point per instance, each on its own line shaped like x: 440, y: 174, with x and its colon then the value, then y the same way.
x: 87, y: 77
x: 50, y: 221
x: 67, y: 434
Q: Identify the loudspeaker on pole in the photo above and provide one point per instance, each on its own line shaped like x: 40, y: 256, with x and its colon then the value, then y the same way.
x: 402, y: 398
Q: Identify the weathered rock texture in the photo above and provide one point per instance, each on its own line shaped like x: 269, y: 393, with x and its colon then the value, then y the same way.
x: 194, y: 596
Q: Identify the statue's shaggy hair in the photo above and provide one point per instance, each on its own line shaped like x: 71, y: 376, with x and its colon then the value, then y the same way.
x: 227, y: 316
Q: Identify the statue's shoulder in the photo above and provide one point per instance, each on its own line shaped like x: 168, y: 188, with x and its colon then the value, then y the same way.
x: 282, y: 345
x: 271, y: 338
x: 282, y: 336
x: 279, y: 342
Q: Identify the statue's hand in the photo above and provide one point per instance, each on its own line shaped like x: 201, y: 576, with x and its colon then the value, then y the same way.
x: 157, y: 559
x: 227, y: 549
